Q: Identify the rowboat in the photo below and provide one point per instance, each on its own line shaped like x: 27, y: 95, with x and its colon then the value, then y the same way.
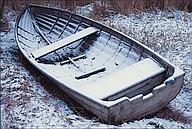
x: 109, y: 73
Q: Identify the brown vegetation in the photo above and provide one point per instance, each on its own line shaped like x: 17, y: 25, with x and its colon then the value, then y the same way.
x: 122, y: 6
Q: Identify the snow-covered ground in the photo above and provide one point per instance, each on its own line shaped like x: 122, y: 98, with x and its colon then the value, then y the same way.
x: 28, y: 99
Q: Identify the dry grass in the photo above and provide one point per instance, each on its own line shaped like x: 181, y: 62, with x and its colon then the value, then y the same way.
x: 122, y: 6
x: 127, y: 6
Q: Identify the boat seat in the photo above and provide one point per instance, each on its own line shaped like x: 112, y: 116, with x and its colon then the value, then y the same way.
x: 64, y: 42
x: 123, y: 79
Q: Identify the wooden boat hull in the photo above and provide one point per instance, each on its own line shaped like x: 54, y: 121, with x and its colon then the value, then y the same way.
x: 90, y: 66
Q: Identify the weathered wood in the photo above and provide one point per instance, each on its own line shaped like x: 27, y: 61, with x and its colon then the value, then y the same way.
x: 54, y: 23
x: 74, y: 59
x: 40, y: 32
x: 64, y: 42
x: 85, y: 75
x: 152, y: 90
x: 25, y: 30
x: 73, y: 62
x: 126, y: 78
x: 66, y: 25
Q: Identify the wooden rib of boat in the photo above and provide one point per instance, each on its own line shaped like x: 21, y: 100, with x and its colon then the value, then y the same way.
x: 110, y: 74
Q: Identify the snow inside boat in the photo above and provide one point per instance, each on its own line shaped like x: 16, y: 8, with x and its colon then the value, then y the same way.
x: 110, y: 74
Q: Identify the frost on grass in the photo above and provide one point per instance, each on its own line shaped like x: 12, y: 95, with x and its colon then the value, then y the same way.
x: 28, y: 99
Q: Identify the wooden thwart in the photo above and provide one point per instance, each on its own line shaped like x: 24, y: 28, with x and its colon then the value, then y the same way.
x: 64, y: 42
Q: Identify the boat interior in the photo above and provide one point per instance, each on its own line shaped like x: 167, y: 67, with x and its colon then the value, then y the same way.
x: 97, y: 59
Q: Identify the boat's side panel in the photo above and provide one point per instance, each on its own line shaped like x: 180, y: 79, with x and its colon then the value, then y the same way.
x: 144, y: 88
x: 129, y: 109
x: 141, y: 106
x: 95, y: 107
x: 134, y: 108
